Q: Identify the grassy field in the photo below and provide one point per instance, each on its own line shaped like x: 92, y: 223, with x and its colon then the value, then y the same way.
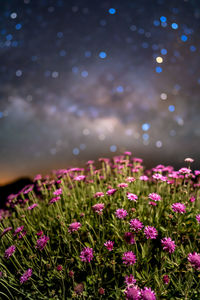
x: 117, y: 232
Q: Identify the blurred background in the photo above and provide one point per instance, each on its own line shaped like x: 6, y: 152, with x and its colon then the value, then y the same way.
x: 84, y: 79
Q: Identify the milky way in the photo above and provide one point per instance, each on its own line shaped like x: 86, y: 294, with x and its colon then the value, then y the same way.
x: 83, y: 79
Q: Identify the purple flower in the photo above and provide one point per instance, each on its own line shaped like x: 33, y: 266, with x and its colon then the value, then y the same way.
x: 80, y: 178
x: 129, y: 238
x: 184, y: 171
x: 32, y: 206
x: 198, y: 218
x: 130, y: 280
x: 111, y: 192
x: 55, y: 199
x: 9, y: 251
x: 150, y: 232
x: 57, y: 192
x: 132, y: 293
x: 41, y: 242
x: 132, y: 197
x: 179, y: 208
x: 98, y: 208
x: 166, y: 279
x: 86, y: 254
x: 109, y: 245
x: 148, y: 294
x: 98, y: 194
x: 194, y: 259
x: 136, y: 225
x: 121, y: 213
x: 6, y: 230
x: 26, y: 276
x: 74, y: 227
x: 154, y: 197
x: 129, y: 258
x: 122, y: 185
x: 18, y: 230
x: 168, y: 244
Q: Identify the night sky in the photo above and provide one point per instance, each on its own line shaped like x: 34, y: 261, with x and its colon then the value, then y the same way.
x: 85, y: 79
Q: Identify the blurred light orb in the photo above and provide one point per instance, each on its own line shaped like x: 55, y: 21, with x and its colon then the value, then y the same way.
x: 120, y: 89
x: 163, y: 96
x: 112, y: 11
x: 113, y: 148
x: 174, y: 26
x: 18, y: 26
x: 184, y: 38
x: 159, y: 60
x: 163, y: 19
x: 145, y: 136
x: 163, y: 51
x: 145, y: 126
x: 84, y: 74
x: 171, y: 108
x: 158, y: 144
x: 158, y: 69
x: 76, y: 151
x: 102, y: 54
x: 19, y: 73
x: 13, y: 15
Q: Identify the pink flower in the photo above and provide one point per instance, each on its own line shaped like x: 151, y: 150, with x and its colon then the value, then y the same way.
x: 6, y: 230
x: 18, y: 230
x: 55, y: 199
x: 80, y: 178
x: 26, y: 276
x: 130, y: 280
x: 41, y: 242
x: 198, y: 218
x: 39, y: 233
x: 166, y: 279
x: 168, y: 245
x: 192, y: 199
x: 184, y: 171
x: 127, y: 153
x: 37, y: 177
x: 111, y: 192
x: 148, y: 294
x: 130, y: 179
x: 98, y: 208
x: 150, y: 232
x: 129, y: 238
x: 132, y: 197
x: 144, y: 178
x: 98, y: 194
x: 152, y: 203
x: 86, y: 254
x: 157, y: 176
x: 57, y: 192
x: 179, y: 208
x: 136, y: 225
x: 23, y: 233
x: 132, y: 293
x: 121, y: 213
x: 194, y: 259
x: 129, y: 258
x: 90, y: 162
x: 197, y: 172
x: 59, y: 268
x: 9, y: 251
x: 136, y: 159
x: 74, y: 227
x: 109, y: 245
x: 32, y: 206
x: 188, y: 159
x: 122, y: 185
x: 154, y: 197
